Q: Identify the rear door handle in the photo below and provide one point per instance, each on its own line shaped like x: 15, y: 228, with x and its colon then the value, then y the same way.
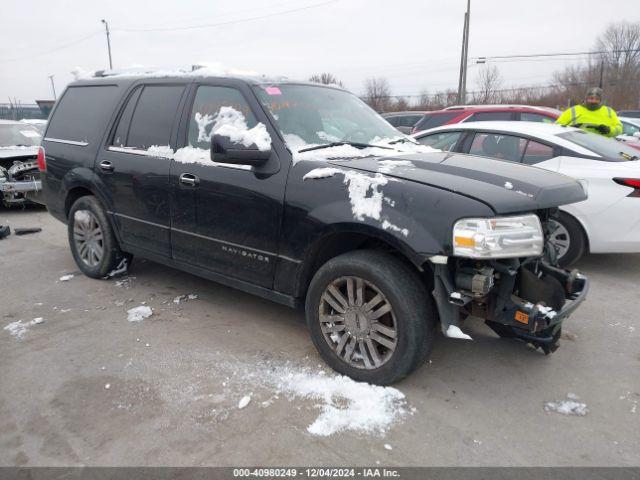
x: 106, y: 166
x: 189, y: 179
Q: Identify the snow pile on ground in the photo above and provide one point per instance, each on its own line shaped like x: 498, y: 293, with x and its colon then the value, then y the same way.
x: 244, y: 401
x: 344, y: 403
x: 66, y: 278
x: 455, y: 332
x: 137, y: 314
x: 19, y: 328
x: 183, y: 298
x: 231, y: 123
x: 387, y: 166
x: 570, y: 406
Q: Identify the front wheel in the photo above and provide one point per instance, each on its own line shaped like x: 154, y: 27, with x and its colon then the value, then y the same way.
x: 568, y: 238
x: 370, y: 316
x: 93, y: 244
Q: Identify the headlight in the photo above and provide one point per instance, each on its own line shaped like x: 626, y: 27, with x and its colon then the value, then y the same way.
x: 500, y: 237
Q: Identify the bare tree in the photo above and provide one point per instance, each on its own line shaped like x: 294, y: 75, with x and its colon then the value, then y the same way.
x: 378, y: 94
x: 489, y: 82
x: 326, y: 79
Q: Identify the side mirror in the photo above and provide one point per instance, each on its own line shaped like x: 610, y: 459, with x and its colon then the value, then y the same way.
x: 223, y: 150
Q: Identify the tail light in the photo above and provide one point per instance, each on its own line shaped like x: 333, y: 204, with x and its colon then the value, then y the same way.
x: 42, y: 161
x: 630, y: 182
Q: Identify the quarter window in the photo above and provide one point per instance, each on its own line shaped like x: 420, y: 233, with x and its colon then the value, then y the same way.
x: 537, y: 152
x: 442, y: 141
x: 535, y: 117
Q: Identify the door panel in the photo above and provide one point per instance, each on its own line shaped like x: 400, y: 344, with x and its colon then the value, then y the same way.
x: 135, y: 175
x: 228, y: 222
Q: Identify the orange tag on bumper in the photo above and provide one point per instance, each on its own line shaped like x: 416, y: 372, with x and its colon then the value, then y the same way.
x: 521, y: 317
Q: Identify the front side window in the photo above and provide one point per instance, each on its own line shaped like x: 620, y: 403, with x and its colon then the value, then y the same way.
x: 153, y: 117
x: 206, y: 108
x: 496, y: 145
x: 442, y: 141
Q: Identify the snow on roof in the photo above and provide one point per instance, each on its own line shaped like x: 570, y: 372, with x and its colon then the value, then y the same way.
x: 533, y: 107
x: 198, y: 70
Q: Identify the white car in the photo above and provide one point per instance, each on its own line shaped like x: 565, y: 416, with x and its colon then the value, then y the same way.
x: 631, y: 129
x: 608, y: 221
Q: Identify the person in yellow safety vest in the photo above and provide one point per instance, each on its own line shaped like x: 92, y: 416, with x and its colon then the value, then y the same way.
x: 593, y: 116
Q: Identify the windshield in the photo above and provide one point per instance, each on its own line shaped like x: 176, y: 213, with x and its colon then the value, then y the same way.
x: 19, y: 136
x: 315, y: 115
x: 609, y: 148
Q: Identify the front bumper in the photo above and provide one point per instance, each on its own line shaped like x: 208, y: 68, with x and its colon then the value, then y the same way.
x: 517, y: 305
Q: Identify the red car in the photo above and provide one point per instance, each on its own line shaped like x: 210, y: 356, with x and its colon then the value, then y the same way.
x: 480, y: 113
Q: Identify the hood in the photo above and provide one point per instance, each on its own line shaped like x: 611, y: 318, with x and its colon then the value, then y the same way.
x: 506, y: 187
x: 18, y: 152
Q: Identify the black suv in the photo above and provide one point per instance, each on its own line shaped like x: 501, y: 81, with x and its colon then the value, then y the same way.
x: 302, y: 194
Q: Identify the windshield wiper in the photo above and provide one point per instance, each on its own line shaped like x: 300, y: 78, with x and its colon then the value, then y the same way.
x: 626, y: 156
x: 342, y: 142
x: 404, y: 140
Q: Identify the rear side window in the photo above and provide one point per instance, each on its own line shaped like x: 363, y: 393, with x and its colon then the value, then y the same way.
x: 535, y: 117
x: 395, y: 121
x: 409, y: 120
x: 432, y: 121
x: 83, y: 113
x: 495, y: 145
x: 153, y: 117
x: 489, y: 116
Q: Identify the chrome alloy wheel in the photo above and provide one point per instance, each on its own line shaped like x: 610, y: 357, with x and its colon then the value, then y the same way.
x: 88, y: 237
x: 559, y: 238
x: 358, y: 323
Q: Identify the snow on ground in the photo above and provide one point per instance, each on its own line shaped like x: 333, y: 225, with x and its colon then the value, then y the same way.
x: 66, y: 278
x: 455, y: 332
x: 183, y: 298
x: 137, y: 314
x: 570, y: 406
x: 244, y: 401
x: 19, y: 329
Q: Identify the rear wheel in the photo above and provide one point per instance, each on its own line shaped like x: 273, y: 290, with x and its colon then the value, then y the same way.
x: 93, y: 244
x: 568, y: 239
x: 370, y: 316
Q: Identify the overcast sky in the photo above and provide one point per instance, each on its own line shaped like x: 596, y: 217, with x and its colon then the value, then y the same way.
x: 415, y: 44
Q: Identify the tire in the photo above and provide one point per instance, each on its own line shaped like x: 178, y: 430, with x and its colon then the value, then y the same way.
x: 568, y: 239
x: 101, y: 255
x: 410, y: 316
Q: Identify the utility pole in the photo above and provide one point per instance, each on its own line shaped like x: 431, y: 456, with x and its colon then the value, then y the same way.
x: 53, y: 87
x: 601, y: 84
x: 462, y: 82
x: 106, y: 27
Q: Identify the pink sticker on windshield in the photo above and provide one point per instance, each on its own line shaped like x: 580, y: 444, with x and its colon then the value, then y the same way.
x: 273, y: 90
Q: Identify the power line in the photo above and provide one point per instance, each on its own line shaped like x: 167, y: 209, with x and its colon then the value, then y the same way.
x: 230, y: 22
x: 46, y: 52
x: 558, y: 54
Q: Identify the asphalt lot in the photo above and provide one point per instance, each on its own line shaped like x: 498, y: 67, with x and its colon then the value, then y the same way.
x: 175, y: 379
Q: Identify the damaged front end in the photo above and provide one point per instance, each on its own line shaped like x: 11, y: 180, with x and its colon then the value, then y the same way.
x: 18, y: 180
x: 527, y: 298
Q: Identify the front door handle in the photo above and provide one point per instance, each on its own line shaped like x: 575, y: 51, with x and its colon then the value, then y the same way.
x: 106, y: 166
x: 189, y: 179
